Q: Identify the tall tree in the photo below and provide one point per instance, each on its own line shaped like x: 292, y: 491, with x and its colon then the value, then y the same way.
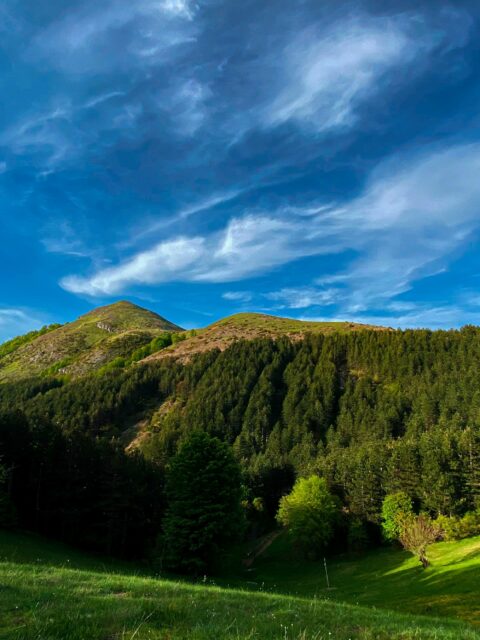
x: 204, y: 512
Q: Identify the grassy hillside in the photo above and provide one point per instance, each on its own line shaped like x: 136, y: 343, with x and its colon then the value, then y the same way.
x: 85, y: 344
x: 386, y: 578
x: 49, y: 591
x: 113, y: 331
x: 248, y: 326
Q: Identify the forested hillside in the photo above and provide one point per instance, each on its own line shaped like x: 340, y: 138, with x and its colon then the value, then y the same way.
x: 373, y: 412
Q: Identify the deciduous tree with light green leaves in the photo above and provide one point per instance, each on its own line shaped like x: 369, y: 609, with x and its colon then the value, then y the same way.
x: 396, y: 508
x: 309, y: 513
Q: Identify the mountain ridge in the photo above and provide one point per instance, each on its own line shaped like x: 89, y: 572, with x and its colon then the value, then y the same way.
x: 110, y: 334
x: 251, y: 325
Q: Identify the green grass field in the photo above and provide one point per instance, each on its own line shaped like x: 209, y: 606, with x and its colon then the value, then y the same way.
x: 387, y: 578
x: 48, y: 591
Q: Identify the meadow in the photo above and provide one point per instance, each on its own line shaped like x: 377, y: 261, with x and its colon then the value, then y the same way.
x: 389, y: 578
x: 49, y: 591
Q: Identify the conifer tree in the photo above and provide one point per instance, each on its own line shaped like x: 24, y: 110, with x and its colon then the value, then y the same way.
x: 204, y: 512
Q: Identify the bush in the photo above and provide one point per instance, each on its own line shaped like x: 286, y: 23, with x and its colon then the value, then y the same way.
x: 396, y: 508
x: 309, y: 513
x: 456, y: 528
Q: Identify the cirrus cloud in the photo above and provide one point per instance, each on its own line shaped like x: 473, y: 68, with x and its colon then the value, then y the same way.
x: 413, y: 214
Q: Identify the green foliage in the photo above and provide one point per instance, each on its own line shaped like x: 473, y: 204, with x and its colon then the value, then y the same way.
x: 357, y: 537
x: 156, y: 344
x: 78, y: 489
x: 87, y: 344
x: 177, y: 337
x: 309, y: 513
x: 373, y: 412
x: 56, y: 367
x: 274, y: 324
x: 385, y: 577
x: 12, y: 345
x: 7, y: 511
x: 396, y: 508
x: 204, y: 512
x: 458, y: 528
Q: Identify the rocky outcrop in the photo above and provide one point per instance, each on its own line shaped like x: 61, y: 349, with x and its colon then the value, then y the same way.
x: 106, y: 327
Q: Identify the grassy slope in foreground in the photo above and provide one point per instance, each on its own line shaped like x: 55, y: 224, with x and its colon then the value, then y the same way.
x: 87, y: 343
x: 49, y: 591
x: 248, y: 326
x: 388, y: 578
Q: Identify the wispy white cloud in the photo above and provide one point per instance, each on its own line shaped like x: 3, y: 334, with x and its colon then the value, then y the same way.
x: 184, y: 8
x: 247, y: 246
x: 159, y: 264
x: 44, y: 134
x: 303, y: 297
x: 326, y: 74
x: 186, y: 103
x: 413, y: 214
x: 60, y: 237
x: 322, y: 75
x: 86, y: 39
x: 153, y: 224
x: 238, y: 296
x: 14, y: 322
x: 417, y: 316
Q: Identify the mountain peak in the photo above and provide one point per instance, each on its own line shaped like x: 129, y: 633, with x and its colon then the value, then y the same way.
x: 127, y: 315
x: 94, y: 339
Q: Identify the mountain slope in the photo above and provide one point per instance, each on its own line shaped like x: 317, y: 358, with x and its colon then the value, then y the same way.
x: 88, y: 343
x: 115, y: 331
x: 249, y: 326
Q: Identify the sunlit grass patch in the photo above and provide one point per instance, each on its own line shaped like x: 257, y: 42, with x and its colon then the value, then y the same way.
x: 43, y: 596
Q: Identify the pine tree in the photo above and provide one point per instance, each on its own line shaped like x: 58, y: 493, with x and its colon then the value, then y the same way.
x: 204, y: 513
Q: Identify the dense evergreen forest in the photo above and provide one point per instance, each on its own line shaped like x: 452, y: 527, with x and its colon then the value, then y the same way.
x: 371, y: 412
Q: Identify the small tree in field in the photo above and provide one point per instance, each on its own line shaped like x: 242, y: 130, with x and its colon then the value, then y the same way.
x: 416, y: 534
x: 309, y: 513
x: 204, y: 512
x: 396, y: 509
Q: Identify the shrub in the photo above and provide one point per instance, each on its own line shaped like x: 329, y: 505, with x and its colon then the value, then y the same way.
x: 309, y: 513
x: 396, y: 508
x: 456, y: 528
x: 416, y: 534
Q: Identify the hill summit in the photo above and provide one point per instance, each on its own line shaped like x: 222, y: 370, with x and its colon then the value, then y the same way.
x: 114, y: 332
x: 249, y: 326
x: 88, y: 343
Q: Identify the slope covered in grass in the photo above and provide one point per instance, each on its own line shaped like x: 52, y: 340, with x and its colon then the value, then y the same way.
x: 85, y: 344
x: 388, y: 578
x: 49, y: 591
x: 249, y: 326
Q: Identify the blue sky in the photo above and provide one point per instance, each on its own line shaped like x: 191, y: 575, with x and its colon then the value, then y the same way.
x: 318, y: 160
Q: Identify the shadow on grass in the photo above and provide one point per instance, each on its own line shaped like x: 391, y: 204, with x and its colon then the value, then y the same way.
x: 101, y: 607
x: 386, y: 578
